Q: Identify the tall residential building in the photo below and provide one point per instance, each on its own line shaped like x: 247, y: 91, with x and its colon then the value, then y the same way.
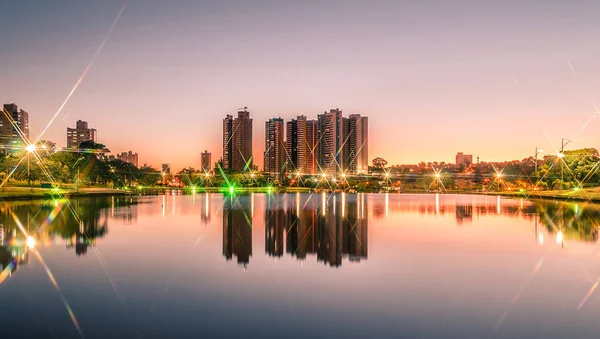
x: 10, y: 136
x: 129, y: 157
x: 79, y: 134
x: 227, y: 159
x: 237, y: 141
x: 331, y: 153
x: 205, y: 159
x: 464, y: 159
x: 274, y: 157
x: 357, y: 144
x: 300, y: 143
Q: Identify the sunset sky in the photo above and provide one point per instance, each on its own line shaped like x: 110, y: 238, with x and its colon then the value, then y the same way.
x: 434, y: 77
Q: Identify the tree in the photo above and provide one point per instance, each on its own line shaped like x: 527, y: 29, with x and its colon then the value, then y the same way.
x: 379, y: 163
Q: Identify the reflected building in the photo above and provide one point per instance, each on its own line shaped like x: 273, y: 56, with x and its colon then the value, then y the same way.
x: 464, y: 213
x: 301, y: 237
x: 237, y: 230
x: 334, y: 228
x: 274, y: 224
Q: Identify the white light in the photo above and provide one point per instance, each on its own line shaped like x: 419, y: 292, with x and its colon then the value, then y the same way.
x: 559, y: 237
x: 30, y: 242
x: 560, y: 155
x: 30, y: 148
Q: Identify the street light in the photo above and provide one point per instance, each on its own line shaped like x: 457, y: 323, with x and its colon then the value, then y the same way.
x: 30, y: 149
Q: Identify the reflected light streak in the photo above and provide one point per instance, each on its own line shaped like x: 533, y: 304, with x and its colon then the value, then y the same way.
x: 590, y: 292
x: 437, y: 203
x: 498, y: 205
x: 206, y: 207
x: 387, y: 204
x: 515, y: 299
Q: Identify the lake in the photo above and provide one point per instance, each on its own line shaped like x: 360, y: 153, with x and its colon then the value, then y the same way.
x: 299, y: 266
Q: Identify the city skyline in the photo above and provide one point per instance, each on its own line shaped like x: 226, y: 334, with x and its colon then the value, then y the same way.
x: 433, y: 79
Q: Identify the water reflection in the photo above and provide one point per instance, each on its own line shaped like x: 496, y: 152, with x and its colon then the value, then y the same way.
x: 77, y: 223
x: 237, y: 229
x: 330, y: 228
x: 335, y: 226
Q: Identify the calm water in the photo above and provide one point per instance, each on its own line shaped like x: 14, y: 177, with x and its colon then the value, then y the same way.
x: 300, y: 266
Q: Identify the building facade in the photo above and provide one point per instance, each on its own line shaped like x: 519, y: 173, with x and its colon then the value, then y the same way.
x: 205, y: 161
x: 79, y: 134
x: 331, y: 153
x: 358, y: 144
x: 129, y: 157
x: 300, y: 145
x: 237, y: 142
x: 464, y: 159
x: 274, y: 156
x: 14, y: 126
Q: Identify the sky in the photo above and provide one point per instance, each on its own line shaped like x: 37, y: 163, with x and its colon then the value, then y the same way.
x: 495, y: 79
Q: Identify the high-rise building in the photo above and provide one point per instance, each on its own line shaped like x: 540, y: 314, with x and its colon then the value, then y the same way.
x: 331, y: 153
x: 205, y: 159
x: 79, y: 134
x: 300, y: 145
x: 11, y: 135
x: 227, y: 159
x: 357, y: 144
x: 237, y: 142
x: 129, y: 157
x: 274, y: 157
x: 464, y: 159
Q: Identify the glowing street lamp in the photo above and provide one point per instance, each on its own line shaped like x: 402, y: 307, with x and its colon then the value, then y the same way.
x: 30, y: 242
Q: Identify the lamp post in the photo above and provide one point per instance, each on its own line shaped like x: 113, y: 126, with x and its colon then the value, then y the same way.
x: 30, y: 149
x: 561, y: 155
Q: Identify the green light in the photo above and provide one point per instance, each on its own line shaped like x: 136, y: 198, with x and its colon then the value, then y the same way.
x: 231, y: 189
x: 140, y: 187
x: 56, y: 189
x: 269, y: 190
x: 576, y: 189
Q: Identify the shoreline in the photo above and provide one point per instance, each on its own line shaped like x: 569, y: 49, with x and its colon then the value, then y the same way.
x: 21, y: 194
